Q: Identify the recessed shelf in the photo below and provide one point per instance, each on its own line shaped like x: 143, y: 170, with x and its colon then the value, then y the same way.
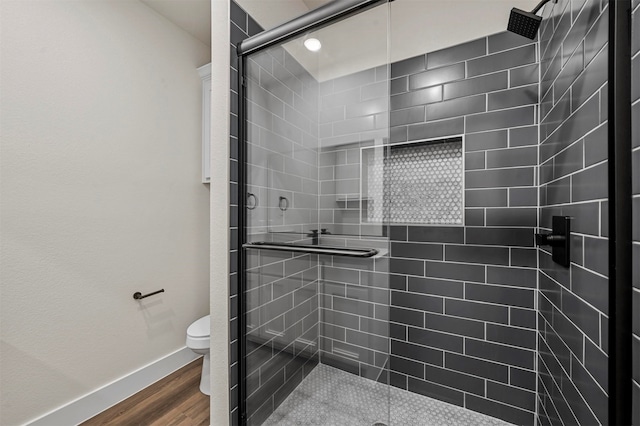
x: 352, y: 199
x: 418, y: 182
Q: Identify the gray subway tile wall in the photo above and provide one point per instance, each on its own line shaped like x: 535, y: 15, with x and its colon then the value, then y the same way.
x: 451, y: 286
x: 598, y: 373
x: 572, y: 389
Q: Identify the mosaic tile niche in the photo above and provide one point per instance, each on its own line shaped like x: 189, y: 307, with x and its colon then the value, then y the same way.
x: 414, y: 183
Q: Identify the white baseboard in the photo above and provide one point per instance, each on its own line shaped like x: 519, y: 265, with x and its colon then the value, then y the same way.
x: 109, y: 395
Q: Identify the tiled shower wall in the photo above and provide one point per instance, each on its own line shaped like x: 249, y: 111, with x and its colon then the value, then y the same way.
x: 572, y: 302
x: 635, y: 98
x: 463, y: 298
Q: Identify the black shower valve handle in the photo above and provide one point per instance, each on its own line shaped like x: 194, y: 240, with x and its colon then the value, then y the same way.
x: 559, y: 239
x: 550, y: 240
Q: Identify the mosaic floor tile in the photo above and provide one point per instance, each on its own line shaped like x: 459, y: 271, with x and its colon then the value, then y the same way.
x: 332, y: 397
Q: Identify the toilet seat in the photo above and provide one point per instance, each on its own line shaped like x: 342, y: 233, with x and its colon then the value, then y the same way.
x: 198, y: 334
x: 200, y: 328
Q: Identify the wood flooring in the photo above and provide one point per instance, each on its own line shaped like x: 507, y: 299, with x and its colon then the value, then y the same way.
x: 175, y: 400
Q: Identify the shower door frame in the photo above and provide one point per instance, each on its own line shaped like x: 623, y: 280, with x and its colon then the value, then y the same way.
x: 287, y: 31
x: 620, y: 366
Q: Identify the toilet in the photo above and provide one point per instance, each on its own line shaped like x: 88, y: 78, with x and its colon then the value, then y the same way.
x: 198, y: 340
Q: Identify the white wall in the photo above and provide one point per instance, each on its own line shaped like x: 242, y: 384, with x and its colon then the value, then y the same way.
x: 100, y: 191
x: 220, y: 200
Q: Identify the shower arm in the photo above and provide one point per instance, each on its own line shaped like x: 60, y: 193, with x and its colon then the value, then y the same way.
x: 539, y: 6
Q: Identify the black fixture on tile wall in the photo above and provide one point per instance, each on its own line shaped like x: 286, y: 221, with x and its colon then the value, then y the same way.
x: 526, y: 23
x: 559, y: 239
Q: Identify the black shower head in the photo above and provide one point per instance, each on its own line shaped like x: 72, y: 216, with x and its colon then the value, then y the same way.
x: 524, y: 23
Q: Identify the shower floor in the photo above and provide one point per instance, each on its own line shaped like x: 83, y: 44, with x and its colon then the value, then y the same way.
x: 329, y: 396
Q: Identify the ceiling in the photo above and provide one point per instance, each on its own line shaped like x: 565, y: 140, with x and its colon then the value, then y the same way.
x: 193, y: 16
x: 361, y: 42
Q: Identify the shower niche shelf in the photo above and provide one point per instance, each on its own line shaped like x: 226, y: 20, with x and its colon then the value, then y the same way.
x: 414, y: 183
x: 351, y: 199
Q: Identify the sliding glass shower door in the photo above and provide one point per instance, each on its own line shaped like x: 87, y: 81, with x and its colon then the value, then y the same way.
x: 316, y: 286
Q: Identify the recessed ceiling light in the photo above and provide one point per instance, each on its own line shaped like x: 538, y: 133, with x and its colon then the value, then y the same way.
x: 313, y: 44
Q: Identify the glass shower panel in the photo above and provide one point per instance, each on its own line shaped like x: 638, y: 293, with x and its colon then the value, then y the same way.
x: 316, y: 332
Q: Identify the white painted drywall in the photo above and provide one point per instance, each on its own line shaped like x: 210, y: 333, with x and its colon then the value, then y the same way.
x: 220, y: 198
x: 100, y: 196
x: 193, y: 16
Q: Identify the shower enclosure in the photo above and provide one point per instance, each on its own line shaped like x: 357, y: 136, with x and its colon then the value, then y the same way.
x: 403, y: 223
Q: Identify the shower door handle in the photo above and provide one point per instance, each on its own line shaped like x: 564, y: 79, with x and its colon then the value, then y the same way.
x: 313, y: 249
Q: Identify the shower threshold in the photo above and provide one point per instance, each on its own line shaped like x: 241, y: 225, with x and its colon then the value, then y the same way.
x: 329, y: 396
